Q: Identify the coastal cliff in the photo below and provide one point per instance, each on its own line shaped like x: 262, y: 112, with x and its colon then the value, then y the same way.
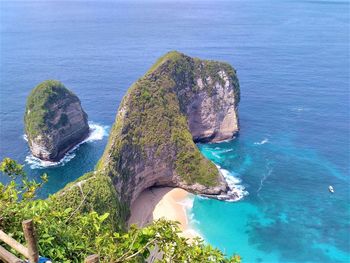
x: 179, y: 101
x: 54, y: 121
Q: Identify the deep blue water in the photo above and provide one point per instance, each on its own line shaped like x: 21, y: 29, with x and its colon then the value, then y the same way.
x: 292, y: 59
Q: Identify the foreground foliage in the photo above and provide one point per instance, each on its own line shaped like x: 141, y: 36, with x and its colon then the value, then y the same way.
x: 71, y: 234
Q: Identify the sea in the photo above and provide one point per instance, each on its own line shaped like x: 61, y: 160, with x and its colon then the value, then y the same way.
x: 292, y: 60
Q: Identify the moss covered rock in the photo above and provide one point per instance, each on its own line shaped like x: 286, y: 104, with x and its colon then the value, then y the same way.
x: 54, y: 120
x: 179, y: 101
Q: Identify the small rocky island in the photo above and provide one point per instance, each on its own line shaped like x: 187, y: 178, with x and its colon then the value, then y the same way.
x: 54, y: 121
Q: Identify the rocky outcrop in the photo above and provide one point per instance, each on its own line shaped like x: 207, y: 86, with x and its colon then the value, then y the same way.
x: 179, y: 101
x: 54, y: 121
x: 213, y: 116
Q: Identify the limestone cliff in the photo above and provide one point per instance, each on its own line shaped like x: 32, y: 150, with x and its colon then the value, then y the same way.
x: 179, y: 101
x: 54, y: 121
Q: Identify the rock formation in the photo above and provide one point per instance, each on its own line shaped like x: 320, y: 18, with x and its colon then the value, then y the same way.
x: 54, y: 121
x: 179, y: 101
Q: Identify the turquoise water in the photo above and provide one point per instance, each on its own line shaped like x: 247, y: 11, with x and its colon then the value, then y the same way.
x: 292, y: 59
x: 288, y: 215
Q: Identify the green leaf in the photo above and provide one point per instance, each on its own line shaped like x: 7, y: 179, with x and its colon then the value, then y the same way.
x: 104, y: 217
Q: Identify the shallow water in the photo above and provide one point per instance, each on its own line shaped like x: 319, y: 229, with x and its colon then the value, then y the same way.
x: 289, y: 214
x: 292, y: 59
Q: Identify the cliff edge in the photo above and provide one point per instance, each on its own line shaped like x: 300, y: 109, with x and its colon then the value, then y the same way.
x: 179, y: 101
x: 54, y: 121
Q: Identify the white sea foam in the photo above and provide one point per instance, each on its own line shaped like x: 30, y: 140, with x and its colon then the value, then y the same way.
x: 218, y: 152
x: 192, y: 219
x: 262, y: 142
x: 237, y: 191
x: 264, y: 177
x: 216, y: 155
x: 187, y: 205
x: 97, y: 133
x: 300, y: 109
x: 225, y: 151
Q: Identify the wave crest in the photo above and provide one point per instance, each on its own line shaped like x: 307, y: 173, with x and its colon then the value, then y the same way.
x: 237, y: 191
x: 97, y: 133
x: 191, y: 222
x: 262, y: 142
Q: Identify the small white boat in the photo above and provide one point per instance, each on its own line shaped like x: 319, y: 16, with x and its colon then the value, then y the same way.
x: 331, y: 189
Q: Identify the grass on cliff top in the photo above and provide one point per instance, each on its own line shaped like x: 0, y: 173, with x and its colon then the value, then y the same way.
x: 156, y: 123
x: 93, y: 192
x: 172, y: 55
x: 38, y: 111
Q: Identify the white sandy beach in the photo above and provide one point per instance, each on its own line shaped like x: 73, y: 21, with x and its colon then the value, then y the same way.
x: 162, y: 202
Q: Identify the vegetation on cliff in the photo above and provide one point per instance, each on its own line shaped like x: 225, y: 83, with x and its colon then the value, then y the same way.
x: 94, y: 192
x: 68, y: 232
x: 152, y: 122
x: 54, y: 120
x: 38, y: 111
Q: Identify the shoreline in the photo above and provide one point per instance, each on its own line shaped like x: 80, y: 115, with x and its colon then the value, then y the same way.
x: 97, y: 133
x: 163, y: 202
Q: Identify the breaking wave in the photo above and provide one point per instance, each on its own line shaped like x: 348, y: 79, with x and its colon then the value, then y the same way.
x: 237, y: 191
x: 191, y: 222
x: 97, y: 133
x: 262, y: 142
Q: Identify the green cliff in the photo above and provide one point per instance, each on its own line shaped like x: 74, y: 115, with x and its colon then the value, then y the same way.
x: 178, y: 101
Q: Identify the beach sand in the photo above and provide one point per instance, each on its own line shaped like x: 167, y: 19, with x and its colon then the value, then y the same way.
x: 162, y: 202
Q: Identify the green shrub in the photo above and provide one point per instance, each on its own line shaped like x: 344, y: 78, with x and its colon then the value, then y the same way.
x: 70, y: 234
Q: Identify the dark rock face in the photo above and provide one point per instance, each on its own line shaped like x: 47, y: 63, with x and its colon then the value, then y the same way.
x: 179, y: 101
x: 54, y: 121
